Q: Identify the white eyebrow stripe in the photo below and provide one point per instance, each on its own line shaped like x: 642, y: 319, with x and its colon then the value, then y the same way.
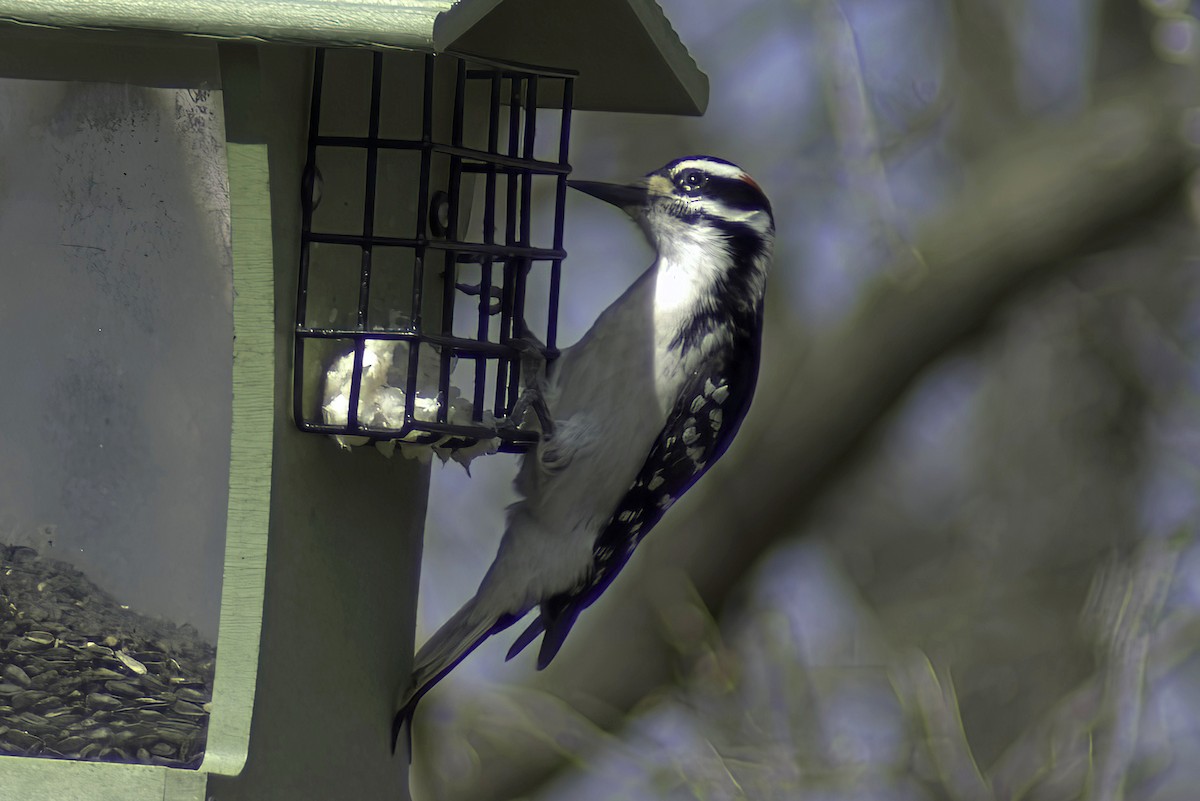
x: 715, y: 168
x: 715, y: 208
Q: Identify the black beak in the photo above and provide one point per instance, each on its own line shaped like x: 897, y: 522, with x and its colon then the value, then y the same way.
x: 624, y: 196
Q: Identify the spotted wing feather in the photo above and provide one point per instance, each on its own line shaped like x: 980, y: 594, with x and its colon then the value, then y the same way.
x: 697, y: 433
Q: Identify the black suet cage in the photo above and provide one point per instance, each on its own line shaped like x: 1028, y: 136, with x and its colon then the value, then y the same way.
x: 381, y: 352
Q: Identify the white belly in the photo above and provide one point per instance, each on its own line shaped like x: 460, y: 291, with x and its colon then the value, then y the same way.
x: 609, y: 395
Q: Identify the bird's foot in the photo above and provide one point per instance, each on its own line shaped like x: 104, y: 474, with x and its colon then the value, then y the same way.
x: 533, y: 379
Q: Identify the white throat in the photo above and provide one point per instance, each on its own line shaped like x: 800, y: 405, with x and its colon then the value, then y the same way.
x: 691, y: 260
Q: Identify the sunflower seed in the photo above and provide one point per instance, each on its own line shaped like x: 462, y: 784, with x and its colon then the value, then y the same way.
x: 174, y: 737
x: 123, y: 688
x: 131, y: 663
x: 23, y: 743
x: 16, y: 675
x: 187, y: 708
x: 193, y: 695
x: 44, y: 678
x: 82, y: 678
x: 26, y: 699
x: 71, y: 745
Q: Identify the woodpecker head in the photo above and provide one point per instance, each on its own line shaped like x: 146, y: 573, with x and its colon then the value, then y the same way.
x: 688, y: 197
x: 712, y: 229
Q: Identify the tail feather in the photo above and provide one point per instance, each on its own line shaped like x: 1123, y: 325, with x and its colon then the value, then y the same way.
x: 558, y: 623
x: 557, y: 617
x: 529, y: 635
x: 451, y: 644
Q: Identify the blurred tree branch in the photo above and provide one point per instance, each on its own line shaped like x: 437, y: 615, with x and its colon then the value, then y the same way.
x: 1084, y: 746
x: 1036, y: 206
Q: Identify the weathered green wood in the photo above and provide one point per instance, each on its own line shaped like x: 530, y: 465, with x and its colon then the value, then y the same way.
x: 24, y: 779
x: 402, y: 23
x: 141, y: 60
x: 628, y: 55
x: 250, y: 459
x: 344, y: 547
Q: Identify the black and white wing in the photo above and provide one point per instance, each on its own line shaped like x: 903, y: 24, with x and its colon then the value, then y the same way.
x: 698, y: 431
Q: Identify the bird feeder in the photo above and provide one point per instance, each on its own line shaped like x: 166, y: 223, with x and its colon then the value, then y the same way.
x: 233, y: 233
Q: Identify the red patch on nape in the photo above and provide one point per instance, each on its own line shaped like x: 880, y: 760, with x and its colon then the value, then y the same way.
x: 753, y: 183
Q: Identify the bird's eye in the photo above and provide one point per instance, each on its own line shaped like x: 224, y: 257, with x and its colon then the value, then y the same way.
x: 691, y: 181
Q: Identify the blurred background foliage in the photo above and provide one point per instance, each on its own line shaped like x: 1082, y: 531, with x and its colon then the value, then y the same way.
x: 953, y: 554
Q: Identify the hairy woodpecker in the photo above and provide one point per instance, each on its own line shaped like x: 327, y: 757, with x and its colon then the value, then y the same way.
x: 642, y: 406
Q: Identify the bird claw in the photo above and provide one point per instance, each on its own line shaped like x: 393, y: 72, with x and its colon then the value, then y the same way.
x: 533, y: 399
x: 533, y: 378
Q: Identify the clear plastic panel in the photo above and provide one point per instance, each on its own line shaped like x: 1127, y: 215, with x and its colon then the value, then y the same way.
x: 116, y: 340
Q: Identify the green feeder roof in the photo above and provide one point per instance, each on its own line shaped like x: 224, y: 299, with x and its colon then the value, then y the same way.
x: 628, y: 56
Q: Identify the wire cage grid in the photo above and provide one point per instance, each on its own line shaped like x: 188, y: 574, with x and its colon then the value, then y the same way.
x: 515, y: 255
